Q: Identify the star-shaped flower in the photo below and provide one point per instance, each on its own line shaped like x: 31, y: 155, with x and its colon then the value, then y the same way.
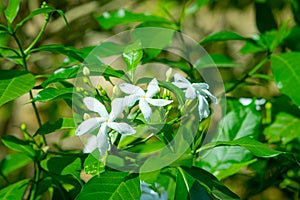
x: 196, y: 90
x: 105, y: 121
x: 145, y: 98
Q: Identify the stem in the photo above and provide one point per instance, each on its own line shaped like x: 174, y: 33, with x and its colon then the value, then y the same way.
x: 35, y: 179
x: 47, y: 18
x: 249, y: 74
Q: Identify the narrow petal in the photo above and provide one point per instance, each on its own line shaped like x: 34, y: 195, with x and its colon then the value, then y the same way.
x: 102, y: 142
x: 122, y: 128
x: 131, y: 89
x: 117, y: 107
x: 158, y: 102
x: 190, y: 93
x: 212, y: 97
x: 181, y: 85
x: 200, y: 86
x: 152, y: 88
x: 203, y: 108
x: 145, y: 108
x: 91, y: 144
x: 131, y: 99
x: 180, y: 79
x: 88, y: 125
x: 96, y: 106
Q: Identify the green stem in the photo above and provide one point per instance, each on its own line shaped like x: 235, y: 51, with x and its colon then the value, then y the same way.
x: 35, y: 179
x: 249, y: 74
x: 37, y: 38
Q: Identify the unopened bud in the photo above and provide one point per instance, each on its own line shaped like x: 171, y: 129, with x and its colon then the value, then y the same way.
x: 116, y: 91
x: 86, y: 116
x: 23, y: 127
x: 85, y: 71
x: 169, y: 74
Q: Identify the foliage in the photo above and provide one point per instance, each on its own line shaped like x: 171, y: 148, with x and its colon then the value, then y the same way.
x: 151, y: 142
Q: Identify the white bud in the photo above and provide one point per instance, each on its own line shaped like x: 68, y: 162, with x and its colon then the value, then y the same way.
x: 86, y: 71
x: 169, y: 74
x: 86, y: 116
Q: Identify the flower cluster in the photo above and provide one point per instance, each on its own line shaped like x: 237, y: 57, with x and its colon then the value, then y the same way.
x: 135, y: 94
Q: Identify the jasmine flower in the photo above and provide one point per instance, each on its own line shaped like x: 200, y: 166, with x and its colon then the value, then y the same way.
x: 145, y: 98
x: 196, y: 90
x: 105, y: 121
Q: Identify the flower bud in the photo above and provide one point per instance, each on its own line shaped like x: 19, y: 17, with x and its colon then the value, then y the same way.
x: 86, y: 116
x: 23, y: 127
x: 85, y: 71
x: 169, y: 74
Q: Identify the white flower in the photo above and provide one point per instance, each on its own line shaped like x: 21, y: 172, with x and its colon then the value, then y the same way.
x: 196, y: 90
x: 145, y: 98
x: 105, y: 121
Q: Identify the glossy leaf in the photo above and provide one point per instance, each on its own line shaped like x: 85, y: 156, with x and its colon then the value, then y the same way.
x: 60, y: 49
x: 212, y: 185
x: 14, y: 191
x: 53, y: 93
x: 286, y: 70
x: 111, y: 19
x: 12, y: 10
x: 12, y: 162
x: 241, y: 122
x: 215, y: 60
x: 222, y: 36
x: 284, y: 129
x: 60, y: 124
x: 132, y: 55
x: 12, y: 84
x: 93, y: 164
x: 256, y: 148
x: 294, y: 35
x: 111, y: 185
x: 18, y: 145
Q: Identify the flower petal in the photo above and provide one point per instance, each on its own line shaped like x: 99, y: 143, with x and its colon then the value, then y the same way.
x: 152, y: 88
x: 96, y: 106
x: 131, y: 89
x: 122, y: 128
x: 212, y: 97
x: 145, y: 108
x: 91, y: 144
x: 102, y: 141
x: 88, y: 125
x: 190, y: 93
x: 117, y: 107
x: 158, y: 102
x: 200, y: 86
x: 181, y: 85
x: 131, y: 99
x: 203, y: 108
x: 180, y: 79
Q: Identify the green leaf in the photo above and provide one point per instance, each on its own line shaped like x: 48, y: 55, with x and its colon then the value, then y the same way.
x: 18, y: 145
x: 264, y: 17
x: 284, y: 129
x: 212, y: 60
x: 132, y: 55
x: 256, y: 148
x: 286, y: 70
x: 14, y: 191
x: 47, y: 10
x: 184, y: 182
x: 213, y: 186
x: 93, y: 164
x: 291, y: 41
x: 13, y: 84
x: 60, y: 124
x: 104, y: 49
x: 109, y: 20
x: 12, y: 162
x: 222, y: 36
x: 238, y: 123
x: 60, y: 49
x: 54, y: 93
x: 12, y: 10
x: 111, y: 185
x: 197, y: 5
